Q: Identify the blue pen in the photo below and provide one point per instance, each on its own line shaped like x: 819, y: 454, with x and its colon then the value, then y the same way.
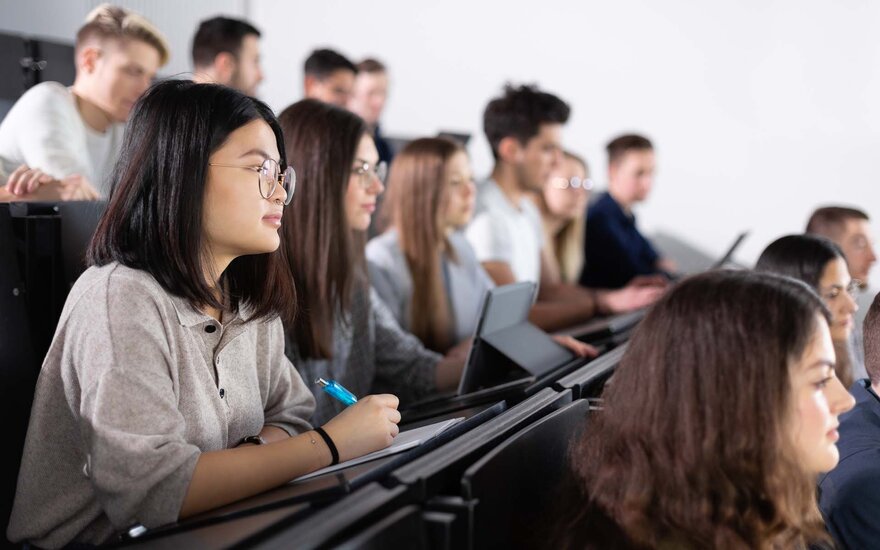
x: 336, y: 391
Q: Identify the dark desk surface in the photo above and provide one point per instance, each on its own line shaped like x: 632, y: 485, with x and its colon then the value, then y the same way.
x: 271, y: 506
x: 427, y: 474
x: 221, y: 535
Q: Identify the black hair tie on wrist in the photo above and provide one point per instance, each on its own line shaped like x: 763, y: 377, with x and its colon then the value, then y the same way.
x: 333, y: 452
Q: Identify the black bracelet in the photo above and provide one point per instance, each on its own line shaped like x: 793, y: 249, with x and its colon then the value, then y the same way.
x: 333, y: 452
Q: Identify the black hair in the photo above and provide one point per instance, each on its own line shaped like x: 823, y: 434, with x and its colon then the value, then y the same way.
x: 803, y: 257
x: 153, y: 220
x: 520, y: 112
x: 322, y: 63
x: 219, y: 35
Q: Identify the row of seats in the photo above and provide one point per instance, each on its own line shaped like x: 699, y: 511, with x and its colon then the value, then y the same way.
x: 452, y: 491
x: 454, y: 494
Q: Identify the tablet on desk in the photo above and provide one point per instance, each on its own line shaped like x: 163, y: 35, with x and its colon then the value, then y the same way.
x: 507, y: 347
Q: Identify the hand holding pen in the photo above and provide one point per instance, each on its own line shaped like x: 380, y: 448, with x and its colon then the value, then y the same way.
x: 337, y: 391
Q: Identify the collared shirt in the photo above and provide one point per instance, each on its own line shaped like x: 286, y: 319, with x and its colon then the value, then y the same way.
x: 371, y: 354
x: 849, y: 495
x: 614, y: 249
x: 135, y: 386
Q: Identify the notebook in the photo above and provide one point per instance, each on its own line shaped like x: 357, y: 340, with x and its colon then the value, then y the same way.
x: 404, y: 441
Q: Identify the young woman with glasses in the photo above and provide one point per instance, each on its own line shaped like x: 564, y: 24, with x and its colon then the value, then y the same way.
x: 563, y: 207
x: 166, y: 391
x: 820, y: 263
x: 345, y: 332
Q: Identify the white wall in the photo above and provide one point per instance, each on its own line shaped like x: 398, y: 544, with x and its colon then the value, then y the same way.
x: 760, y: 110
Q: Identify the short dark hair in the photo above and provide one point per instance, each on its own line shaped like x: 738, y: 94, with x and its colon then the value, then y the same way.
x: 153, y: 220
x: 219, y: 35
x: 371, y: 65
x: 803, y: 257
x: 321, y: 63
x: 871, y: 330
x: 622, y: 145
x: 828, y: 221
x: 520, y: 112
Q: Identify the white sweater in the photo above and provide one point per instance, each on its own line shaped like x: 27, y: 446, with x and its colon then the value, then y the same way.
x: 45, y: 130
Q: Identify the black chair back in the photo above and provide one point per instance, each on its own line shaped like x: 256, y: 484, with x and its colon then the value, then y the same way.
x: 514, y: 488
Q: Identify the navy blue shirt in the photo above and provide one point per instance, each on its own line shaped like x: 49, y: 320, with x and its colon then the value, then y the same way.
x: 849, y: 495
x: 614, y: 250
x: 386, y: 154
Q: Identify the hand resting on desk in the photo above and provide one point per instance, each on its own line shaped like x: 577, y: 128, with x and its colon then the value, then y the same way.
x: 32, y: 184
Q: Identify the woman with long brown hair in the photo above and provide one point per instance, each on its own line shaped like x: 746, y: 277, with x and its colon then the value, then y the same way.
x: 424, y: 270
x: 722, y: 413
x: 342, y: 330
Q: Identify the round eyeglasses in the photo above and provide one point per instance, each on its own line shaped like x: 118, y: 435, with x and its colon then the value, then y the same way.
x: 270, y: 177
x: 574, y: 183
x: 367, y: 172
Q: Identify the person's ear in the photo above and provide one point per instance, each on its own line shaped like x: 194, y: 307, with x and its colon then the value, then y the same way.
x: 612, y: 170
x: 224, y: 66
x: 87, y: 58
x: 309, y: 84
x: 510, y: 150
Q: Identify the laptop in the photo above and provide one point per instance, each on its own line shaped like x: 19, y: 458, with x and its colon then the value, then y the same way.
x: 601, y: 329
x: 728, y: 256
x: 507, y: 347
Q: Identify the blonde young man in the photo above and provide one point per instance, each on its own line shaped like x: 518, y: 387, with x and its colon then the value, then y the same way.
x: 60, y: 143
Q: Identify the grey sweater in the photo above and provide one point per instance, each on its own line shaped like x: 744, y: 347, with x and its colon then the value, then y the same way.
x: 137, y: 383
x: 371, y: 354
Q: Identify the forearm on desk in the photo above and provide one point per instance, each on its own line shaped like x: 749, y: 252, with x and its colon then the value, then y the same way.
x: 222, y: 477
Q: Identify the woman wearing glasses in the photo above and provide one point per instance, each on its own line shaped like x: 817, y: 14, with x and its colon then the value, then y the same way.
x: 166, y: 391
x: 345, y: 332
x: 563, y: 207
x: 422, y: 267
x: 820, y: 263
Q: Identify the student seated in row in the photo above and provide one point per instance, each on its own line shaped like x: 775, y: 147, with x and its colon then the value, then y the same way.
x: 367, y: 100
x: 615, y: 251
x: 422, y: 267
x: 328, y: 76
x: 563, y: 205
x: 166, y: 391
x: 850, y: 229
x: 343, y: 330
x: 720, y: 416
x: 820, y: 263
x: 227, y: 51
x: 59, y: 143
x: 849, y: 495
x: 524, y: 129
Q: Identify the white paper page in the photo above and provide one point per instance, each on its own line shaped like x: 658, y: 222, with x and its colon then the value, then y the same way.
x: 404, y: 441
